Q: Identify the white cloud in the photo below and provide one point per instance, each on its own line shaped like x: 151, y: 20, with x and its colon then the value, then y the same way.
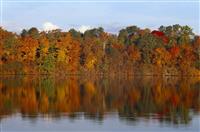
x: 84, y: 28
x: 48, y: 26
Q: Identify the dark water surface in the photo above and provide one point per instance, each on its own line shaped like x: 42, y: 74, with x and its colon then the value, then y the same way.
x: 142, y: 104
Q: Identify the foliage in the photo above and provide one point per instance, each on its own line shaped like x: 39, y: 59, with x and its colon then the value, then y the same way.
x: 132, y: 51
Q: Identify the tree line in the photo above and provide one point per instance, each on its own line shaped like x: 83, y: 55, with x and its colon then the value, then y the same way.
x: 169, y: 50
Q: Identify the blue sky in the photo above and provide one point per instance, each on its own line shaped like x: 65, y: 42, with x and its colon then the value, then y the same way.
x: 112, y: 16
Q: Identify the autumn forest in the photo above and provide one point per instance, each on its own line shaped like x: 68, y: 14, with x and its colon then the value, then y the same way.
x: 168, y: 50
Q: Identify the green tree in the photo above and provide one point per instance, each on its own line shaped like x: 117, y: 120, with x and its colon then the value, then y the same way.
x: 95, y: 32
x: 33, y: 32
x: 24, y: 33
x: 75, y: 34
x: 147, y: 44
x: 129, y: 35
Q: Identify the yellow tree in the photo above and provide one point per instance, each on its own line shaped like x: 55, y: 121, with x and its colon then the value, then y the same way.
x: 27, y: 49
x: 69, y: 52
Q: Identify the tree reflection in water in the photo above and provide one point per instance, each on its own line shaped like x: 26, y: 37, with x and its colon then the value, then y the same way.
x: 173, y: 100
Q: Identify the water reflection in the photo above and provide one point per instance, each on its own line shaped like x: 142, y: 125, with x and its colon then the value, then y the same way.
x: 169, y: 100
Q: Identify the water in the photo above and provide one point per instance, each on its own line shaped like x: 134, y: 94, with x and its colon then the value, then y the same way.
x: 77, y: 103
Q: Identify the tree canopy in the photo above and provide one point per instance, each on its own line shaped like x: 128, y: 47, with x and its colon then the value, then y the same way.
x: 169, y: 50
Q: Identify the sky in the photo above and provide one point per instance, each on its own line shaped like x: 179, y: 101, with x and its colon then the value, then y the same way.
x: 112, y: 16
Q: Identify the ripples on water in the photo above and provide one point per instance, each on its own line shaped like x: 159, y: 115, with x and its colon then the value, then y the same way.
x: 99, y: 103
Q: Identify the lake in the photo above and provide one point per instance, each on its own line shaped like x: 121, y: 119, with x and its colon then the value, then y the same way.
x: 79, y: 103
